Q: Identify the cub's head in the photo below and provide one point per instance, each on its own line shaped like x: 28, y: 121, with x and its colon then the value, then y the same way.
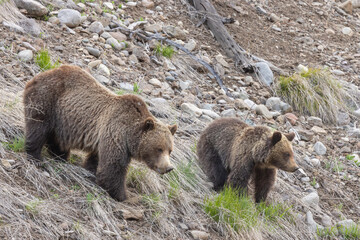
x: 281, y: 154
x: 156, y: 145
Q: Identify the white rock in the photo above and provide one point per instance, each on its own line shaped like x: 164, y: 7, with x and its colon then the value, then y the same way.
x: 33, y: 8
x: 210, y: 113
x: 220, y: 59
x: 115, y: 44
x: 315, y: 162
x: 310, y: 221
x: 250, y: 103
x: 315, y: 121
x: 337, y: 72
x: 190, y: 45
x: 264, y: 72
x: 312, y: 199
x: 108, y: 5
x: 191, y: 109
x: 104, y: 70
x: 273, y: 103
x: 184, y: 85
x: 302, y: 68
x: 155, y: 82
x: 347, y: 31
x: 345, y: 225
x: 320, y: 148
x: 263, y: 111
x: 69, y: 17
x: 26, y: 55
x: 96, y: 27
x: 199, y: 235
x: 228, y: 113
x: 318, y: 130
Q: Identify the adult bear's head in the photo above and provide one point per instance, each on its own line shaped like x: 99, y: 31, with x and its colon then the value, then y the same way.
x: 156, y: 145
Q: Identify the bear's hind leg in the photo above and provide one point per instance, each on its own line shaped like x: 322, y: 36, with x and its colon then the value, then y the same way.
x: 91, y: 162
x: 55, y: 151
x: 264, y: 180
x: 213, y: 167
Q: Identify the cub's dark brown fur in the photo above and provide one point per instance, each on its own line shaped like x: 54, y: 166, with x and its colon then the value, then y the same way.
x: 65, y: 108
x: 230, y: 151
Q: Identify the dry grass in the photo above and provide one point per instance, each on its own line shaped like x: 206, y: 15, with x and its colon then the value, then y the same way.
x: 60, y: 200
x: 314, y: 92
x: 9, y: 12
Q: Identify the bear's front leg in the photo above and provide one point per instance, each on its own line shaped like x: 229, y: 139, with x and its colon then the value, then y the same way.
x: 240, y: 175
x: 264, y: 180
x: 111, y: 172
x: 112, y: 178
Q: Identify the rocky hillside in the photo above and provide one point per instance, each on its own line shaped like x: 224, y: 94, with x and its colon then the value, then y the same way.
x: 61, y: 201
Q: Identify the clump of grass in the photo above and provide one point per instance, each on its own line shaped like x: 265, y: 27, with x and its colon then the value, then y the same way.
x: 135, y: 177
x: 233, y: 208
x: 166, y: 51
x: 352, y: 232
x: 153, y: 203
x: 352, y: 158
x: 43, y: 60
x: 314, y: 92
x: 236, y: 209
x: 17, y: 145
x: 32, y: 206
x: 273, y: 212
x: 74, y: 159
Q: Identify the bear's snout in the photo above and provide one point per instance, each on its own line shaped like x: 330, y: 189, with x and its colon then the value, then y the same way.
x: 163, y: 165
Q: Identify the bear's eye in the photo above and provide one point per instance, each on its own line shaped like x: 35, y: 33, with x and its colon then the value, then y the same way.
x: 287, y: 155
x: 159, y: 150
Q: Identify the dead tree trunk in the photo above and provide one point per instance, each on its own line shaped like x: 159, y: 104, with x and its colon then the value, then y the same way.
x: 215, y: 23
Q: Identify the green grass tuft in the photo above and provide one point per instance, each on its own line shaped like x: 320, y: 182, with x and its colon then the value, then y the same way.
x: 17, y: 145
x: 166, y: 51
x: 236, y: 209
x: 233, y: 208
x: 314, y: 92
x: 43, y: 60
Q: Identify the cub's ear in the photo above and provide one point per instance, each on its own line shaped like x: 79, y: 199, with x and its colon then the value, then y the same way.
x: 290, y: 136
x: 149, y: 124
x: 172, y: 128
x: 276, y: 137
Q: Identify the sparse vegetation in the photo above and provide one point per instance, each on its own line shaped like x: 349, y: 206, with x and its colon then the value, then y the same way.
x: 313, y: 182
x: 340, y: 232
x: 43, y: 60
x: 314, y: 92
x: 352, y: 159
x: 17, y: 145
x: 32, y: 206
x: 166, y: 51
x: 136, y: 176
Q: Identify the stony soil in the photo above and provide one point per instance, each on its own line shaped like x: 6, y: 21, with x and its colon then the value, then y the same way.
x: 285, y: 33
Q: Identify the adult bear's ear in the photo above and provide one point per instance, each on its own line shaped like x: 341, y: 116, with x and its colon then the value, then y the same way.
x: 276, y: 137
x: 290, y: 136
x: 149, y: 124
x: 172, y: 128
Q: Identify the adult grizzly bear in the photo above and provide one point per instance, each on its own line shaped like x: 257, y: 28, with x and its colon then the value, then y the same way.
x: 230, y: 151
x: 66, y: 108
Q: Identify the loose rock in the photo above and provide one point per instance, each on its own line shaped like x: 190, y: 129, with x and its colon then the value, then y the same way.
x: 69, y: 17
x: 320, y: 148
x: 26, y: 55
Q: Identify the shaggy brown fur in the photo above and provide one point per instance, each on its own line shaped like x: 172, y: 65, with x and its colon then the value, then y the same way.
x: 230, y: 151
x: 65, y: 108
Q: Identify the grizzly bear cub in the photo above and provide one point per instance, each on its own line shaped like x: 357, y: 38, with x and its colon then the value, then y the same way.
x: 66, y: 108
x: 230, y: 151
